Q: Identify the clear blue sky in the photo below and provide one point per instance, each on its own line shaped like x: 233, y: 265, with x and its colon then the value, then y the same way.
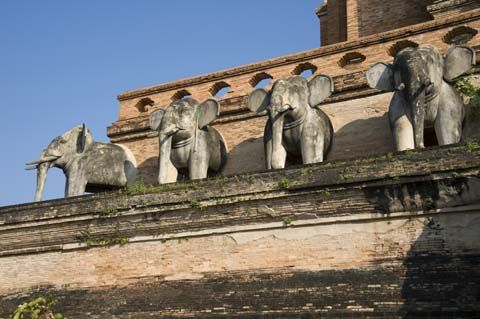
x: 63, y: 63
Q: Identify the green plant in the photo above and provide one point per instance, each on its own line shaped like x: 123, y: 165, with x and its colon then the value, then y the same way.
x: 90, y: 240
x: 325, y: 192
x: 346, y: 176
x: 466, y: 87
x: 389, y: 155
x: 305, y: 171
x: 284, y: 183
x: 109, y: 212
x: 472, y: 92
x: 472, y: 146
x: 39, y: 308
x: 287, y: 221
x: 137, y: 188
x: 195, y: 203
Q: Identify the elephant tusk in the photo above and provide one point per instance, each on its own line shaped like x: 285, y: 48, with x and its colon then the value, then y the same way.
x: 34, y: 162
x: 43, y: 160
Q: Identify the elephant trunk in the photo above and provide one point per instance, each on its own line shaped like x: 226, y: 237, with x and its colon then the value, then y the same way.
x: 164, y: 161
x: 418, y: 117
x: 278, y: 158
x: 42, y: 169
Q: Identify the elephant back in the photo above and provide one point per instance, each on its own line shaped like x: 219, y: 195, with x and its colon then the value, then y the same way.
x: 218, y: 151
x: 328, y: 131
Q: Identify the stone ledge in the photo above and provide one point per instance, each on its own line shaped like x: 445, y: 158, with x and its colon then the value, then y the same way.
x: 391, y: 186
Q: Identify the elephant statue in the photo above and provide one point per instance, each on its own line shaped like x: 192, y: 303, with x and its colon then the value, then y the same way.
x: 424, y: 97
x: 295, y: 127
x: 186, y: 141
x: 88, y: 165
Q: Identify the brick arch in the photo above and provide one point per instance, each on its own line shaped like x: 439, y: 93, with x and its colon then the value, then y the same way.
x: 180, y: 95
x: 217, y: 87
x: 400, y: 45
x: 304, y: 67
x: 351, y: 58
x: 459, y: 35
x: 143, y: 105
x: 257, y: 78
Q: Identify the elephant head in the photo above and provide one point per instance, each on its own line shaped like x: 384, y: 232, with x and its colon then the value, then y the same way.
x: 179, y: 125
x: 287, y: 102
x: 418, y: 74
x: 59, y: 153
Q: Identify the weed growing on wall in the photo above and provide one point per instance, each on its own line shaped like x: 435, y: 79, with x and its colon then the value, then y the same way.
x: 466, y: 86
x: 287, y: 221
x: 284, y: 183
x: 39, y: 308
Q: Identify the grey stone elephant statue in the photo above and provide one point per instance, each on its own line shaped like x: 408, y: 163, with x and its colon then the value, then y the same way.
x: 88, y: 165
x: 186, y: 141
x: 295, y: 127
x: 424, y: 96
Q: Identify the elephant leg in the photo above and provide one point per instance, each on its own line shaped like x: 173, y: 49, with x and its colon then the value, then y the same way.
x: 268, y: 146
x: 448, y: 123
x: 75, y: 185
x: 172, y: 174
x: 402, y: 130
x: 400, y: 124
x: 199, y: 157
x: 312, y: 144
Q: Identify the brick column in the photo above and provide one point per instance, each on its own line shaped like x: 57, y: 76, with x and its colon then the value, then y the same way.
x: 353, y: 25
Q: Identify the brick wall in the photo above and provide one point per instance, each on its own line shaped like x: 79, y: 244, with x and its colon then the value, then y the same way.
x: 342, y: 20
x: 393, y: 236
x: 332, y: 17
x: 367, y: 17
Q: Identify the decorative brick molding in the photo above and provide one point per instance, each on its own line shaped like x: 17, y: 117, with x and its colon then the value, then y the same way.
x: 441, y: 8
x: 307, y: 55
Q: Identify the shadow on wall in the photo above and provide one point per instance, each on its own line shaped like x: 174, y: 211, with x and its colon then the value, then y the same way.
x: 147, y: 171
x: 472, y: 119
x: 441, y: 269
x: 362, y: 137
x: 248, y: 156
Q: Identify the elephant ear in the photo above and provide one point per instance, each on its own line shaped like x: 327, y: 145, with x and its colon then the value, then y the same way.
x: 82, y: 139
x: 207, y: 112
x: 259, y: 100
x: 380, y: 77
x: 156, y: 119
x: 320, y: 88
x: 458, y: 60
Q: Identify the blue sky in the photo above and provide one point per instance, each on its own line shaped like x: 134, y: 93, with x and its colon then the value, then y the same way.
x: 63, y: 63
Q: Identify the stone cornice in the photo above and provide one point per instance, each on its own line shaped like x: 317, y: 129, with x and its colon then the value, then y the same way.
x: 322, y: 10
x: 443, y: 6
x: 358, y: 190
x: 307, y: 55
